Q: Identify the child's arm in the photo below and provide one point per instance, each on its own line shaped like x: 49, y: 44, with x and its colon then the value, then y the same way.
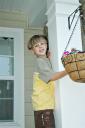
x: 58, y: 75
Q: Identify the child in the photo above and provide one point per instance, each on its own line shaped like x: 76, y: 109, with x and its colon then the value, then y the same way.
x: 43, y: 83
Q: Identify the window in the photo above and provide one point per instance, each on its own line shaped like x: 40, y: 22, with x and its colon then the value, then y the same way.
x: 11, y: 78
x: 6, y: 56
x: 6, y: 83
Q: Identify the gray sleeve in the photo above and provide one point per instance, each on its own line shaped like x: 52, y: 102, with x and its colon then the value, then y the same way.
x: 45, y: 69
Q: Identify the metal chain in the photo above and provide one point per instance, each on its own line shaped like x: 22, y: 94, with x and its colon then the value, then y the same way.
x: 72, y: 32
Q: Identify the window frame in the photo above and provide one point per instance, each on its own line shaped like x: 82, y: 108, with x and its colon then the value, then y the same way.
x: 18, y: 35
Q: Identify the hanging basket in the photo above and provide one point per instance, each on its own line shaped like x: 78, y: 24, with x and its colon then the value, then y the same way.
x: 74, y: 62
x: 75, y: 66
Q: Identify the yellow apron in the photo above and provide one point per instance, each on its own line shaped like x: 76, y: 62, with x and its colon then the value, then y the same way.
x: 43, y: 94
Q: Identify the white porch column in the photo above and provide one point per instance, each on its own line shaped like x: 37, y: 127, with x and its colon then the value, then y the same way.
x: 70, y: 95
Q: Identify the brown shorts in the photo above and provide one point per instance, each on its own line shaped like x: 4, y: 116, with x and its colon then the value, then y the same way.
x: 44, y: 119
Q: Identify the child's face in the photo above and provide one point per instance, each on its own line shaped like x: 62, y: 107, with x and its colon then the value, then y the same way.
x: 40, y: 48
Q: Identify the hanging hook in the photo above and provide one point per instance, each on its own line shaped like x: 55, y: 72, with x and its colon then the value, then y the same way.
x: 72, y: 14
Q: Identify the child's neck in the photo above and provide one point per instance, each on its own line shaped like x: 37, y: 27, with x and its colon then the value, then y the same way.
x: 42, y: 56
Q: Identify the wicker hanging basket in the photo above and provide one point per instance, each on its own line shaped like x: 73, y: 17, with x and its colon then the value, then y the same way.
x: 75, y: 66
x: 74, y: 62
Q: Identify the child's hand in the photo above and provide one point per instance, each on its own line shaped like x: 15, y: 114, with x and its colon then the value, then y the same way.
x: 48, y: 54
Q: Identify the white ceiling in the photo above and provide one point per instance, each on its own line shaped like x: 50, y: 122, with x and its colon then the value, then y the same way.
x: 34, y: 9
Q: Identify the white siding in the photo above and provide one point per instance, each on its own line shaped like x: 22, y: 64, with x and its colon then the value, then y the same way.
x: 19, y: 20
